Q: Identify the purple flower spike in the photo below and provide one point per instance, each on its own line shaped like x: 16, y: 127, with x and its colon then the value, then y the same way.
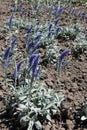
x: 36, y: 73
x: 56, y: 11
x: 29, y: 45
x: 13, y: 43
x: 29, y: 31
x: 10, y: 21
x: 50, y: 26
x: 56, y: 21
x: 58, y: 30
x: 64, y: 53
x: 83, y: 17
x: 31, y: 60
x: 52, y: 8
x: 36, y: 46
x: 15, y: 75
x: 49, y: 34
x: 19, y: 65
x: 60, y: 62
x: 71, y: 11
x: 7, y: 52
x: 14, y: 8
x: 36, y: 6
x: 38, y: 37
x: 79, y: 13
x: 35, y: 64
x: 60, y: 10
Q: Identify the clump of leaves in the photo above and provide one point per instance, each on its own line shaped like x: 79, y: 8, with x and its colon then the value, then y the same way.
x: 52, y: 53
x: 28, y: 106
x: 80, y: 43
x: 70, y: 32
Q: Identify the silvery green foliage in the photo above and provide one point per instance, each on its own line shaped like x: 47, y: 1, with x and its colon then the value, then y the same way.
x: 53, y: 52
x: 70, y: 32
x: 29, y: 105
x: 84, y: 109
x: 18, y: 23
x: 80, y: 42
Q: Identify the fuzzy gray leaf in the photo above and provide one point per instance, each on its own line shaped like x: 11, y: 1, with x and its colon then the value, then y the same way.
x: 24, y: 121
x: 48, y: 117
x: 38, y: 125
x: 21, y: 98
x: 22, y: 107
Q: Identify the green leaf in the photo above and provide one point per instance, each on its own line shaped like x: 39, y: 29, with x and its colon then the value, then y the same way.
x: 48, y: 117
x: 22, y: 107
x: 24, y: 121
x: 30, y: 125
x: 21, y: 98
x: 38, y: 125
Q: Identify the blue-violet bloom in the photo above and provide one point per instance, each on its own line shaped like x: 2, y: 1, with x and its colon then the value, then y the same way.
x: 50, y: 26
x: 38, y: 37
x: 10, y: 21
x: 36, y: 46
x: 71, y: 11
x: 7, y: 52
x: 13, y: 43
x: 16, y: 73
x: 32, y: 58
x: 29, y: 45
x: 35, y: 64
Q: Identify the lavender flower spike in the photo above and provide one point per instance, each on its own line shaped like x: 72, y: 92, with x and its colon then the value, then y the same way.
x: 31, y: 60
x: 36, y: 74
x: 10, y: 21
x: 35, y: 64
x: 64, y: 53
x: 59, y: 28
x: 29, y: 45
x: 52, y: 8
x: 60, y: 10
x: 49, y: 34
x: 36, y: 46
x: 79, y: 13
x: 36, y: 6
x: 71, y: 11
x: 38, y: 37
x: 60, y: 59
x: 7, y: 52
x: 15, y: 75
x: 56, y: 21
x: 50, y: 26
x: 29, y: 29
x: 13, y: 43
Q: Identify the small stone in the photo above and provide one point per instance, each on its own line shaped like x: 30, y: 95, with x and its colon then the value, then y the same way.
x: 81, y: 58
x: 1, y: 94
x: 62, y: 129
x: 46, y: 127
x: 53, y: 121
x: 49, y: 83
x: 69, y: 124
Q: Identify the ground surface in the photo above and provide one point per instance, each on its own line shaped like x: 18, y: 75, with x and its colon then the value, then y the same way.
x: 74, y: 81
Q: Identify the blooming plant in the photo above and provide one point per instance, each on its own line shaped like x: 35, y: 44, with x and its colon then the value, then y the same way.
x: 29, y: 99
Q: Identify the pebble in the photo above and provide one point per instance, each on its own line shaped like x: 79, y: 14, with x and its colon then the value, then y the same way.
x: 69, y: 124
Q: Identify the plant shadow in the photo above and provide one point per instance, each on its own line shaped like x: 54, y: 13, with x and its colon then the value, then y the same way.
x: 10, y: 123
